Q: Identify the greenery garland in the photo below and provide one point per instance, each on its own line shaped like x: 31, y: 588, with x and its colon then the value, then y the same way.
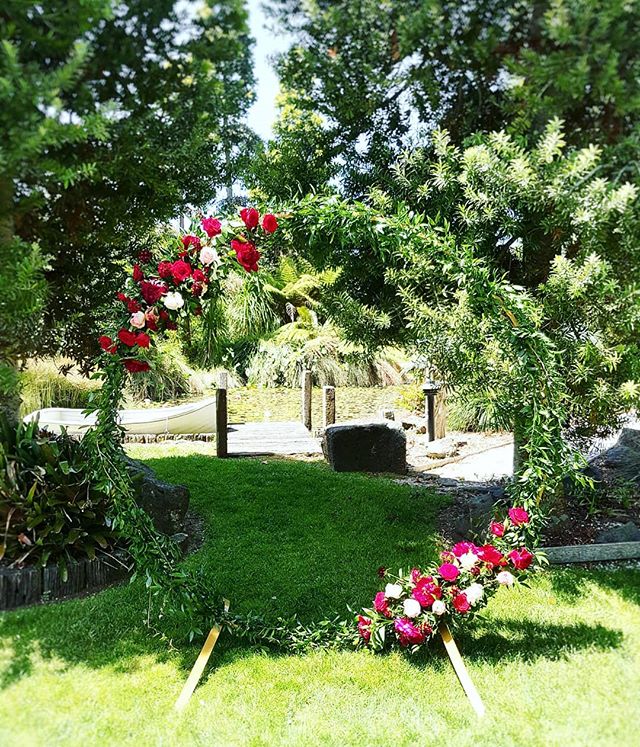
x: 410, y: 607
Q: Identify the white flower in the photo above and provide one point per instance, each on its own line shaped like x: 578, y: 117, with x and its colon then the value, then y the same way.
x: 412, y: 607
x: 393, y: 591
x: 474, y: 593
x: 438, y: 607
x: 173, y: 301
x: 468, y: 560
x: 505, y: 578
x: 208, y: 256
x: 137, y: 320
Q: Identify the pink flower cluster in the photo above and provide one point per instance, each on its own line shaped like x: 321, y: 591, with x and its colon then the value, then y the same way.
x: 411, y: 606
x: 158, y: 294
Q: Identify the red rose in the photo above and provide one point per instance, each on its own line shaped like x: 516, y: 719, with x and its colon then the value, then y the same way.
x: 491, y: 554
x: 269, y: 223
x: 199, y: 276
x: 461, y: 548
x: 497, y: 528
x: 106, y: 343
x: 191, y: 240
x: 521, y: 559
x: 449, y: 572
x: 380, y: 604
x: 364, y: 628
x: 153, y: 290
x: 164, y: 270
x: 180, y: 270
x: 143, y: 340
x: 127, y: 338
x: 246, y: 254
x: 134, y: 366
x: 518, y: 516
x: 211, y: 226
x: 138, y: 275
x: 461, y: 603
x: 250, y: 216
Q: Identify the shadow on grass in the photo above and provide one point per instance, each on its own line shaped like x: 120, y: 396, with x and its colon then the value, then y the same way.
x: 572, y: 583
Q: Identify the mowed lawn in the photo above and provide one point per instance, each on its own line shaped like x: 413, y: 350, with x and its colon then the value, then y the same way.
x: 557, y: 663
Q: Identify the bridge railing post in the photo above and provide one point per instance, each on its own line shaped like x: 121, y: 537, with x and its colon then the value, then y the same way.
x: 222, y: 415
x: 306, y: 398
x: 328, y: 405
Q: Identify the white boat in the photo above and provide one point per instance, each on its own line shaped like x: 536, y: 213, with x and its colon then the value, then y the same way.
x: 195, y: 417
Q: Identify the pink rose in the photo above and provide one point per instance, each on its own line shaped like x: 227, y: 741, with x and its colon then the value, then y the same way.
x: 518, y: 516
x: 497, y: 528
x: 211, y: 226
x: 521, y: 558
x: 461, y: 603
x: 269, y: 223
x: 138, y: 320
x: 250, y: 216
x: 449, y: 572
x: 207, y: 255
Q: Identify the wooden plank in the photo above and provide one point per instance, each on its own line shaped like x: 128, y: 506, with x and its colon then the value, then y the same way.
x: 593, y: 553
x: 201, y: 663
x: 222, y: 416
x: 461, y: 670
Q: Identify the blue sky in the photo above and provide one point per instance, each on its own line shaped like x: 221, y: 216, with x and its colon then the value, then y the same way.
x: 262, y: 113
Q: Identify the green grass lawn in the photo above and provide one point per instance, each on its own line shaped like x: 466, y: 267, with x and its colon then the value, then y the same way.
x: 557, y: 664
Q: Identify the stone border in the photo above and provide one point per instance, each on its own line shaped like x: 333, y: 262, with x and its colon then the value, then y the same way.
x: 593, y: 553
x: 152, y: 438
x: 21, y: 587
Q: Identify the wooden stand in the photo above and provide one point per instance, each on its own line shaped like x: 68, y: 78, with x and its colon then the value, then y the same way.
x: 461, y: 670
x: 201, y: 663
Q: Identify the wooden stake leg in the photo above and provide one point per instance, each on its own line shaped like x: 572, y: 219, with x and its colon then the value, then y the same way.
x: 201, y: 663
x: 461, y: 670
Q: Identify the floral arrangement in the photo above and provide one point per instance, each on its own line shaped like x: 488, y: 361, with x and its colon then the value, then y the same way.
x: 159, y: 294
x: 411, y: 606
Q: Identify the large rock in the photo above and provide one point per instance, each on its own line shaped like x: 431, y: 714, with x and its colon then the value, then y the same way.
x: 628, y: 532
x: 366, y: 447
x: 166, y: 503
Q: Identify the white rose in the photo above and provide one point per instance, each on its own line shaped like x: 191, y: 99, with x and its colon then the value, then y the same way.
x: 438, y: 607
x: 173, y: 301
x: 208, y: 255
x: 505, y: 578
x: 412, y: 607
x: 474, y: 593
x: 468, y: 560
x: 393, y: 591
x: 137, y: 320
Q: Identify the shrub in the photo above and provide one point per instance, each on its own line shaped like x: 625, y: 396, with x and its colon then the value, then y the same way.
x: 49, y: 509
x: 54, y: 383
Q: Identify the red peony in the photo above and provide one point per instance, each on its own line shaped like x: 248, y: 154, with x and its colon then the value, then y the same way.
x: 153, y: 290
x: 407, y: 632
x: 138, y: 275
x: 143, y: 340
x: 518, y: 516
x: 199, y: 276
x: 491, y: 554
x: 269, y: 223
x: 107, y: 344
x: 461, y: 548
x: 461, y: 603
x: 250, y: 216
x: 211, y: 226
x: 449, y: 572
x: 127, y: 338
x: 134, y: 366
x: 180, y: 271
x: 380, y: 604
x: 133, y: 306
x: 191, y: 240
x: 164, y: 270
x: 497, y: 528
x: 364, y: 628
x: 521, y: 558
x: 246, y: 254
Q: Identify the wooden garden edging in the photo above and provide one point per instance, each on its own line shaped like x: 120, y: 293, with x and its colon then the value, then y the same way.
x: 20, y: 587
x: 593, y: 553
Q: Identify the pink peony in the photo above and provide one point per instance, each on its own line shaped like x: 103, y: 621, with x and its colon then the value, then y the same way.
x: 449, y: 572
x: 426, y: 591
x: 518, y: 516
x: 497, y: 528
x: 521, y: 559
x: 462, y: 548
x: 407, y: 632
x: 364, y: 628
x: 211, y: 226
x: 380, y: 604
x: 250, y: 217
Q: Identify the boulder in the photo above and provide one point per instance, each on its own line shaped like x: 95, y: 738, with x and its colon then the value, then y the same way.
x: 366, y: 447
x: 166, y: 503
x: 628, y: 532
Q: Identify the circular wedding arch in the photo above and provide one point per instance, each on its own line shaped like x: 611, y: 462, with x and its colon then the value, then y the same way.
x: 162, y: 291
